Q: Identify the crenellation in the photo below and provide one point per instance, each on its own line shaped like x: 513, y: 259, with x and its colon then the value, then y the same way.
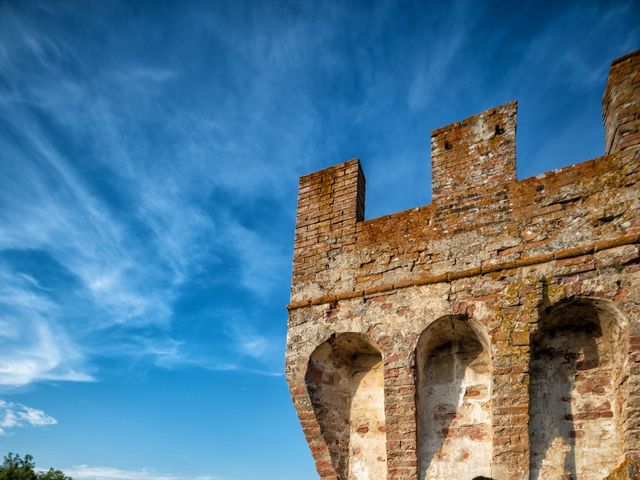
x: 621, y: 105
x: 504, y: 317
x: 474, y: 158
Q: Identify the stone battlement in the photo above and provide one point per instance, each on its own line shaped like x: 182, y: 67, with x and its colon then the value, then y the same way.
x: 494, y: 332
x: 474, y: 188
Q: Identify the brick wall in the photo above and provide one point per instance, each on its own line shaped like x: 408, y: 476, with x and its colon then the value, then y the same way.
x: 513, y: 258
x: 621, y: 104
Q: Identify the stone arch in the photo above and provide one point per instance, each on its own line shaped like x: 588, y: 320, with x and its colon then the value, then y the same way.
x: 345, y: 381
x: 578, y: 368
x: 453, y: 400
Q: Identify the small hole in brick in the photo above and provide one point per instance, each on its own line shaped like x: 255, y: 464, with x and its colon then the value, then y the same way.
x: 447, y: 145
x: 499, y: 130
x: 607, y: 218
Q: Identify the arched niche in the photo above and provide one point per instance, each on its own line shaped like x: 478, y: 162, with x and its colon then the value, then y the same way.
x: 345, y: 380
x: 577, y: 370
x: 453, y: 396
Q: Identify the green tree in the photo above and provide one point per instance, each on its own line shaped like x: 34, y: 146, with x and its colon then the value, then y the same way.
x: 16, y: 468
x: 52, y: 474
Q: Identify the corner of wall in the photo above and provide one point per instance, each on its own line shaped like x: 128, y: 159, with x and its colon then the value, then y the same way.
x: 621, y: 104
x: 330, y: 203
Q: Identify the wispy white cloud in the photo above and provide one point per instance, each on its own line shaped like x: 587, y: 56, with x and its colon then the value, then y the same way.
x: 130, y: 224
x: 86, y: 472
x: 247, y: 341
x: 144, y: 74
x: 572, y: 64
x: 262, y: 263
x: 433, y: 70
x: 33, y: 345
x: 251, y: 344
x: 15, y: 415
x: 40, y: 353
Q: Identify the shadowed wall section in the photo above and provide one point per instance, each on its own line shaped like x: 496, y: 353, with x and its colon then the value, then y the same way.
x: 453, y: 401
x: 345, y: 381
x: 578, y: 370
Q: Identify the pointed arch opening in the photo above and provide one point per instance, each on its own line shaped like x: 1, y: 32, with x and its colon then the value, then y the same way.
x: 345, y: 381
x: 453, y: 396
x: 578, y: 368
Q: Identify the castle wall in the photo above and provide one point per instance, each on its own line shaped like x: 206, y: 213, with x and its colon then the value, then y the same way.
x: 535, y: 278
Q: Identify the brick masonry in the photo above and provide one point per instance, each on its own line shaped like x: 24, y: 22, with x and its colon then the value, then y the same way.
x: 494, y: 332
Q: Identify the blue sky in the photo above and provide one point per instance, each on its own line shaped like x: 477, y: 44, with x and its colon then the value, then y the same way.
x: 149, y: 155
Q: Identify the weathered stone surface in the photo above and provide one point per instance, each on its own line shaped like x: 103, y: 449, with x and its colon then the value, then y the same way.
x: 494, y: 333
x: 628, y: 470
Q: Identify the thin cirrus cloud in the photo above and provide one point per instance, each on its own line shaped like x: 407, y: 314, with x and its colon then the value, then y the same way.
x: 34, y: 345
x: 123, y: 228
x: 15, y: 415
x: 86, y: 472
